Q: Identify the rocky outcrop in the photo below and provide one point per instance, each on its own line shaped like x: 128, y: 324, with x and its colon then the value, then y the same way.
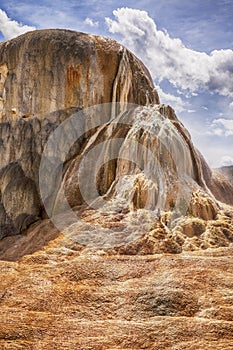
x: 227, y: 171
x: 45, y: 77
x: 139, y: 254
x: 49, y: 70
x: 50, y: 78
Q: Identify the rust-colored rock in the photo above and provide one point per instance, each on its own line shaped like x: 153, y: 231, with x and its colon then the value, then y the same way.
x: 61, y: 298
x: 153, y: 268
x: 49, y: 70
x: 48, y: 75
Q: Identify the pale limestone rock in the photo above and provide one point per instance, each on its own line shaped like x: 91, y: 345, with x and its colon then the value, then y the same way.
x: 47, y: 76
x: 3, y: 76
x: 54, y: 71
x: 166, y: 289
x: 49, y: 70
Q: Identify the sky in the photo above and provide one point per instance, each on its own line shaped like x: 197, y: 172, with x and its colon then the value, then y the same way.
x: 187, y: 46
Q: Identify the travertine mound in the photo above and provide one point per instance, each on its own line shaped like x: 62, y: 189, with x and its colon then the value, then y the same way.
x: 46, y: 76
x: 153, y: 268
x: 49, y: 75
x: 49, y: 70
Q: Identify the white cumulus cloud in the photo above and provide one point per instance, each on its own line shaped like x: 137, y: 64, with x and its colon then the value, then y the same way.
x: 175, y: 101
x: 91, y: 23
x: 168, y: 58
x: 10, y: 28
x: 226, y: 161
x: 222, y: 127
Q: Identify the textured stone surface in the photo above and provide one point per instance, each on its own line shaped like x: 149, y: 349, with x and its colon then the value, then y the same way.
x: 59, y: 298
x: 45, y: 71
x: 45, y: 77
x: 68, y: 63
x: 164, y: 278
